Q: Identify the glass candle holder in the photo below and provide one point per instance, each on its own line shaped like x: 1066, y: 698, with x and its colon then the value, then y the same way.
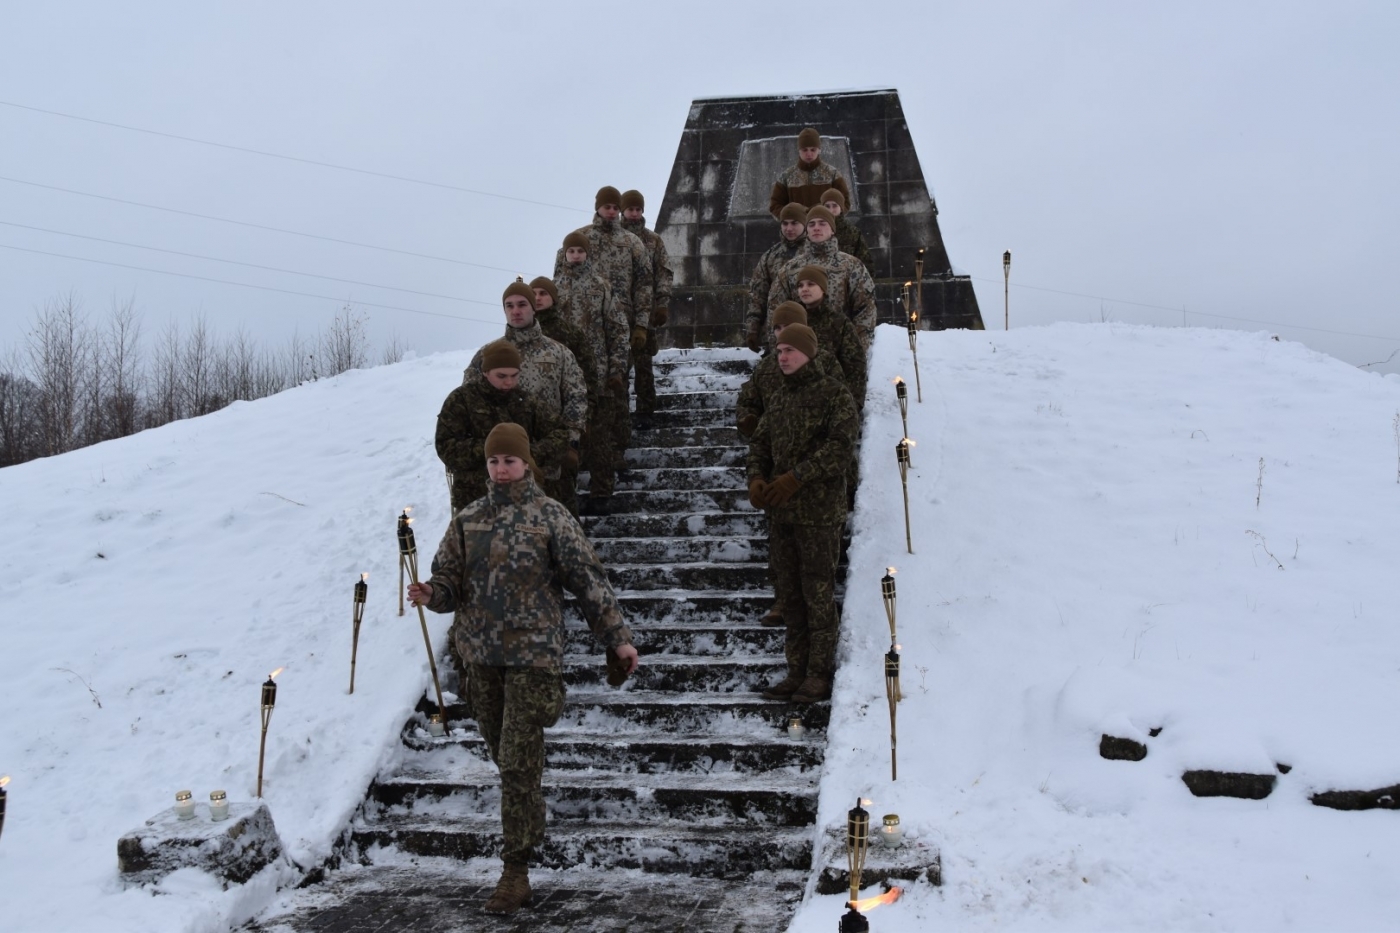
x: 891, y: 834
x: 435, y: 726
x: 184, y: 805
x: 218, y: 805
x: 795, y: 728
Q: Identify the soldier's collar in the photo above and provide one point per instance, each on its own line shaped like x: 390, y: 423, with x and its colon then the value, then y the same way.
x: 527, y: 334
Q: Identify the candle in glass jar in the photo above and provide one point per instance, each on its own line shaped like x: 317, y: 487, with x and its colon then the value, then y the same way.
x: 795, y: 728
x: 184, y: 805
x: 891, y: 834
x: 218, y: 805
x: 435, y: 726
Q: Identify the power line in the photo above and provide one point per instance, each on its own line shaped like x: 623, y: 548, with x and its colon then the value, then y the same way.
x: 265, y: 288
x: 249, y: 265
x: 288, y: 158
x: 244, y: 223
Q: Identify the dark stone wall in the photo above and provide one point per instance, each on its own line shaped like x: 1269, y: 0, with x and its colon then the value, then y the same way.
x: 715, y: 239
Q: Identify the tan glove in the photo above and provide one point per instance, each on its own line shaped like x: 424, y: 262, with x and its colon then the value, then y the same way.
x: 615, y: 383
x: 617, y: 669
x: 571, y: 458
x: 639, y: 339
x: 659, y: 316
x: 758, y: 492
x: 748, y: 424
x: 782, y: 488
x: 753, y: 339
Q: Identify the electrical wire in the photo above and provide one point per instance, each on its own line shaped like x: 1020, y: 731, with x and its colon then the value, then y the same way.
x: 288, y: 158
x: 249, y: 265
x: 265, y: 288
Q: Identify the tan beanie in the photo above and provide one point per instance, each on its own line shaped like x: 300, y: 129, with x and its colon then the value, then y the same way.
x: 808, y: 138
x: 607, y: 195
x: 576, y: 239
x: 813, y: 274
x: 633, y: 198
x: 509, y: 439
x: 788, y: 313
x: 499, y: 354
x: 798, y: 336
x: 833, y: 194
x: 518, y: 287
x: 793, y: 211
x: 815, y: 212
x: 547, y: 284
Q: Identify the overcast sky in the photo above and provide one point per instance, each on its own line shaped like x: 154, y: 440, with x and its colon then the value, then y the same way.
x: 1218, y: 161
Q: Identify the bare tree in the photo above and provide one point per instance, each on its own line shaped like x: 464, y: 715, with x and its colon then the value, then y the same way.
x: 164, y: 398
x: 19, y: 412
x: 197, y: 358
x: 123, y: 376
x: 393, y: 353
x: 59, y: 350
x: 344, y: 345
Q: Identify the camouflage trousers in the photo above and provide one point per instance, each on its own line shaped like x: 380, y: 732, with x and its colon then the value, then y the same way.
x: 804, y: 559
x: 564, y: 490
x: 642, y: 376
x: 620, y: 424
x: 601, y: 452
x: 513, y: 706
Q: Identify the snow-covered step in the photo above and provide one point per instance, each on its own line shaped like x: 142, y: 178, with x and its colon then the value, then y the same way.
x: 692, y: 576
x: 682, y: 549
x: 736, y: 366
x: 669, y: 500
x: 686, y: 608
x: 722, y: 433
x: 650, y: 712
x: 686, y: 673
x: 711, y: 382
x: 670, y: 401
x: 748, y: 523
x: 671, y: 418
x: 708, y: 477
x: 671, y: 847
x: 677, y: 457
x: 661, y: 638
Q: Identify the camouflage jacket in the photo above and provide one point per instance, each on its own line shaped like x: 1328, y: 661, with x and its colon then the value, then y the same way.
x: 800, y: 186
x: 850, y: 289
x: 619, y: 257
x: 769, y: 265
x: 810, y: 428
x: 548, y: 373
x: 836, y: 333
x: 559, y: 328
x: 585, y: 300
x: 661, y: 274
x: 849, y: 241
x: 502, y: 568
x: 755, y: 393
x: 469, y: 414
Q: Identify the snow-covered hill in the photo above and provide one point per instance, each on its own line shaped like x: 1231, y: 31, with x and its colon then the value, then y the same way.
x: 1089, y: 558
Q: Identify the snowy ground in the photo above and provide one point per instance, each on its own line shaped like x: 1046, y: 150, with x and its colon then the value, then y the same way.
x: 1081, y: 500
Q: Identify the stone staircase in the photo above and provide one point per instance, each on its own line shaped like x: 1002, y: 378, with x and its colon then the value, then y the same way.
x: 677, y: 802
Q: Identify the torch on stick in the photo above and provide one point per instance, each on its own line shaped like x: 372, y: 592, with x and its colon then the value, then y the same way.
x: 887, y: 593
x: 913, y: 317
x: 901, y: 392
x: 361, y: 591
x: 269, y: 700
x: 3, y: 794
x: 857, y: 844
x: 408, y: 559
x: 901, y: 453
x: 892, y: 695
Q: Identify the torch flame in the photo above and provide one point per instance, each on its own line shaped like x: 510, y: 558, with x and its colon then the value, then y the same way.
x: 898, y: 380
x: 408, y: 508
x: 273, y: 675
x: 891, y: 571
x: 870, y: 903
x: 909, y: 283
x: 910, y: 441
x: 364, y: 578
x: 4, y: 780
x: 866, y: 801
x: 898, y: 647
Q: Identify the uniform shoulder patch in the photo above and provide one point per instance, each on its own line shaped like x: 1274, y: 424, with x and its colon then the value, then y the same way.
x: 477, y: 526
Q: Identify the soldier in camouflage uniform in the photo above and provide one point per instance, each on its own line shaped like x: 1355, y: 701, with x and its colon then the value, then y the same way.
x: 502, y: 568
x: 834, y: 331
x: 619, y: 256
x: 848, y: 238
x: 797, y: 468
x: 852, y: 290
x: 557, y: 327
x: 585, y: 299
x: 792, y: 233
x: 753, y: 401
x: 472, y: 410
x: 634, y: 221
x: 548, y: 373
x: 804, y: 182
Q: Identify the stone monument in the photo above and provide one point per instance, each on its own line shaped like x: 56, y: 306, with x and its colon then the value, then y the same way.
x: 715, y: 221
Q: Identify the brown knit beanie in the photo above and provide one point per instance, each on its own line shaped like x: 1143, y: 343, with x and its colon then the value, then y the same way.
x: 808, y: 138
x: 814, y: 212
x: 607, y: 195
x: 547, y: 284
x: 798, y: 336
x: 793, y: 211
x: 518, y: 287
x: 509, y: 439
x: 576, y: 239
x: 813, y: 274
x: 499, y: 354
x: 789, y: 313
x: 633, y: 198
x: 833, y: 194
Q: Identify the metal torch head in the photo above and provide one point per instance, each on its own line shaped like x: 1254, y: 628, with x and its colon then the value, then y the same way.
x: 892, y: 664
x: 362, y: 588
x: 887, y: 587
x: 901, y: 453
x: 1006, y: 262
x: 901, y: 392
x: 858, y: 831
x: 406, y: 543
x: 853, y: 922
x: 269, y: 689
x: 3, y: 794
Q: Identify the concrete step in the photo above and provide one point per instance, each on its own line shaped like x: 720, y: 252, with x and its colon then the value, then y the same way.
x: 674, y: 478
x: 691, y: 549
x: 740, y: 364
x: 673, y: 673
x: 724, y: 851
x: 630, y: 712
x: 669, y: 500
x: 473, y: 786
x: 748, y: 523
x: 680, y: 608
x: 674, y: 457
x: 662, y: 434
x: 669, y: 401
x: 694, y: 576
x: 701, y: 382
x: 670, y: 418
x: 669, y: 753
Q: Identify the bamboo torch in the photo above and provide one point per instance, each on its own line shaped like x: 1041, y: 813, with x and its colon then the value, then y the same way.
x: 901, y: 453
x: 408, y: 559
x: 266, y: 703
x: 857, y: 844
x: 913, y: 324
x: 361, y: 591
x: 892, y: 695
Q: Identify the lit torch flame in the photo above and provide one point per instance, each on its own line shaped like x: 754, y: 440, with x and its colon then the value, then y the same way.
x: 891, y: 571
x: 4, y: 780
x: 911, y: 442
x: 273, y: 675
x: 364, y: 578
x: 870, y: 903
x: 898, y: 380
